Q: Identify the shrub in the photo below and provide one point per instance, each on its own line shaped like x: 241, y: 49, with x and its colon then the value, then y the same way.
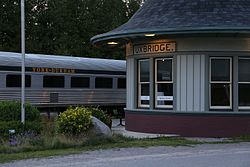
x: 101, y: 115
x: 48, y: 126
x: 74, y: 121
x: 11, y: 111
x: 29, y: 126
x: 10, y: 115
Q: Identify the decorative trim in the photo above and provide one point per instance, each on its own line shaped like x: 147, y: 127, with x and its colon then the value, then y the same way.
x: 124, y: 35
x: 188, y: 113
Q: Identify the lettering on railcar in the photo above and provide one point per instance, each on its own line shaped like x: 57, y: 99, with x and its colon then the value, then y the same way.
x: 53, y: 70
x: 155, y: 48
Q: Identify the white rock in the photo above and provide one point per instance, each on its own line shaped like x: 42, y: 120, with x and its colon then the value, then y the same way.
x: 99, y: 128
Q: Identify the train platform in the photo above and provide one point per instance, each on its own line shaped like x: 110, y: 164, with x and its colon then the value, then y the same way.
x: 118, y: 127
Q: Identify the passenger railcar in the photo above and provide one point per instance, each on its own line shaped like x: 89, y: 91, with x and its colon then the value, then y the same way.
x: 54, y: 82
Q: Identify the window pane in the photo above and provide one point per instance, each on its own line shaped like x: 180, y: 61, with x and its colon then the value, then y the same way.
x: 144, y: 71
x: 144, y: 94
x: 121, y: 83
x: 244, y: 70
x: 220, y: 94
x: 80, y: 82
x: 165, y: 94
x: 164, y: 70
x: 53, y: 81
x: 244, y: 94
x: 16, y: 81
x: 101, y: 82
x: 220, y: 69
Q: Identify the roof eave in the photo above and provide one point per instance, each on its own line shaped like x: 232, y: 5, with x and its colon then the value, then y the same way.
x: 125, y: 36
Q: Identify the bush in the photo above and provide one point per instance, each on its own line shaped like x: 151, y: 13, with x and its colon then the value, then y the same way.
x: 101, y: 115
x: 10, y: 116
x: 29, y: 126
x: 48, y: 126
x: 11, y: 111
x: 74, y: 121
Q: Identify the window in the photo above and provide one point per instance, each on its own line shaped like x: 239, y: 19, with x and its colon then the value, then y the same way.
x: 143, y: 83
x: 16, y: 80
x: 163, y: 83
x: 79, y: 82
x: 244, y: 83
x: 103, y: 82
x: 121, y: 83
x: 220, y: 83
x: 53, y: 81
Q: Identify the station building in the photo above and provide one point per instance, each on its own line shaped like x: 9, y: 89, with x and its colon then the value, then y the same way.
x: 188, y: 67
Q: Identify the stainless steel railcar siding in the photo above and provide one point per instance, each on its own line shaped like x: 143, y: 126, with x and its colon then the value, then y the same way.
x: 66, y: 97
x: 39, y: 96
x: 52, y: 61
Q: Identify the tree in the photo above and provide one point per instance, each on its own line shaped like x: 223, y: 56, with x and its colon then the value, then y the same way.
x: 64, y: 27
x: 10, y: 25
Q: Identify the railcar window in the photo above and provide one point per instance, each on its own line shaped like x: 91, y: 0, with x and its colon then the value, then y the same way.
x: 53, y: 81
x: 15, y: 80
x: 79, y: 82
x: 102, y: 82
x: 121, y: 83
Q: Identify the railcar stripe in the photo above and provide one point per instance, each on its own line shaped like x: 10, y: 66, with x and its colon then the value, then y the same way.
x: 77, y: 71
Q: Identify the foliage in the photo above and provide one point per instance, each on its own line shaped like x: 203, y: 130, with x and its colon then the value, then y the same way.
x: 101, y: 115
x: 74, y: 121
x: 49, y: 126
x: 243, y: 138
x: 10, y: 115
x: 62, y: 145
x: 11, y: 111
x: 29, y: 126
x: 63, y: 27
x: 10, y: 27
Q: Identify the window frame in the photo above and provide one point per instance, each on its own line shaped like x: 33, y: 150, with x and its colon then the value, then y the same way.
x: 156, y: 82
x: 230, y: 83
x: 140, y: 84
x: 242, y: 107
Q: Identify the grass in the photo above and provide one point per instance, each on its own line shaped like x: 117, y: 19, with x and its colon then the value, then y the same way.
x: 36, y: 154
x: 117, y: 141
x: 49, y: 143
x: 245, y: 138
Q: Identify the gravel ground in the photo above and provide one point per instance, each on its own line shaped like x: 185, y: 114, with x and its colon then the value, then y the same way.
x: 112, y: 157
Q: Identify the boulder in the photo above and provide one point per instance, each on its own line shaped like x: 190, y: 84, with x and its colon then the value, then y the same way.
x: 99, y: 128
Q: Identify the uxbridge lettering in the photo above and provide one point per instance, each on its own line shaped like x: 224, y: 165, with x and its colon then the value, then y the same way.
x: 154, y: 48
